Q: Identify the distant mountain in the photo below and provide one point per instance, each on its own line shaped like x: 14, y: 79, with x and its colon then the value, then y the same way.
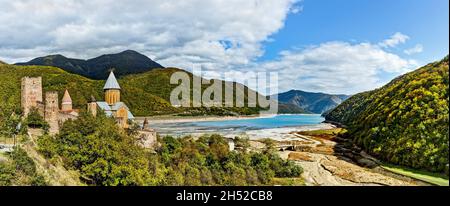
x: 1, y: 62
x: 313, y: 102
x: 124, y: 63
x: 406, y: 121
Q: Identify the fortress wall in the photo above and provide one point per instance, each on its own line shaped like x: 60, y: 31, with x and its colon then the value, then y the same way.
x: 31, y: 94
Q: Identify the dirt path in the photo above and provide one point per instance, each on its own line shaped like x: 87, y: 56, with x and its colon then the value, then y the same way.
x: 326, y: 162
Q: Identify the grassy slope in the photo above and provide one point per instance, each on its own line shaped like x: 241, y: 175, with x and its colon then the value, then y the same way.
x: 146, y: 93
x: 404, y: 122
x: 433, y: 178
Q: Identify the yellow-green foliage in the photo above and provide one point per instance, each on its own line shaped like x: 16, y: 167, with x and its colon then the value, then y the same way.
x: 405, y: 122
x: 145, y: 93
x: 104, y: 154
x: 20, y: 170
x: 53, y: 79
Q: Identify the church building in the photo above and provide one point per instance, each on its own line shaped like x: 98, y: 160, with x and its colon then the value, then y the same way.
x: 112, y: 106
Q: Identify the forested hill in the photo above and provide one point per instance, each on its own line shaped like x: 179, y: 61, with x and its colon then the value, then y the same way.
x: 405, y: 122
x: 313, y: 102
x: 146, y: 93
x: 123, y: 63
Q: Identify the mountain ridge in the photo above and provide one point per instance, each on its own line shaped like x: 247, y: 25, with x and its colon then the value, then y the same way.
x: 315, y: 102
x: 123, y: 63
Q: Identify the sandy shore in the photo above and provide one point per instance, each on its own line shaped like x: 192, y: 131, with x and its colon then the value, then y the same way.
x: 181, y: 119
x: 285, y: 133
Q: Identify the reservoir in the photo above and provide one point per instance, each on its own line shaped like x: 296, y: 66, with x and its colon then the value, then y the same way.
x: 239, y: 125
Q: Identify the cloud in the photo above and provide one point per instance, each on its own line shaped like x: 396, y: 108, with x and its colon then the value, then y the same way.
x: 394, y: 40
x: 218, y: 35
x: 416, y: 49
x: 336, y: 67
x: 173, y: 33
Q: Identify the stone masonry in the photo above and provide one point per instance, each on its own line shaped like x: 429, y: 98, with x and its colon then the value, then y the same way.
x: 31, y: 90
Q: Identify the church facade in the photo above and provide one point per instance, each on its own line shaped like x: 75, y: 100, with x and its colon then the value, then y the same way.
x: 112, y: 106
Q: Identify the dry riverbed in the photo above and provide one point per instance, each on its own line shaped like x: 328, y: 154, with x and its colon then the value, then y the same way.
x: 329, y: 161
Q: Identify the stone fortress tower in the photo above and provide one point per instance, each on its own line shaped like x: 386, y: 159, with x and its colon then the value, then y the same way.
x: 51, y: 114
x: 92, y: 106
x: 32, y: 97
x: 31, y: 90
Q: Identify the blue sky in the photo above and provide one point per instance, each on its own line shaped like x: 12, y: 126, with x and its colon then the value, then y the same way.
x: 332, y: 46
x: 426, y: 22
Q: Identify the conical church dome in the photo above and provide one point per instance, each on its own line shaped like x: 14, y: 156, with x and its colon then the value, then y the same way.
x: 111, y: 83
x: 66, y: 98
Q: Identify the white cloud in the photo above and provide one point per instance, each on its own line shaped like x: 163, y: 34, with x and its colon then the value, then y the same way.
x: 173, y: 33
x: 394, y: 40
x: 336, y: 67
x: 416, y: 49
x: 219, y: 35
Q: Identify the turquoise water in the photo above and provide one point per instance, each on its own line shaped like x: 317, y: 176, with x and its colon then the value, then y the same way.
x: 266, y: 123
x: 239, y: 125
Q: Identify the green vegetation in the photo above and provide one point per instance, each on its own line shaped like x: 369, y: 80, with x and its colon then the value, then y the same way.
x: 433, y: 178
x: 35, y: 120
x: 104, y: 154
x: 406, y: 121
x: 146, y: 93
x: 20, y: 170
x: 333, y: 132
x: 284, y: 108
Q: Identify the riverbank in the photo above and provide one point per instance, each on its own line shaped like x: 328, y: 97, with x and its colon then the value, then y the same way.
x: 184, y: 119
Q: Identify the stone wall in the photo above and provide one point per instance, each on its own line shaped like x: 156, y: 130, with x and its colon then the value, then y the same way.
x: 31, y: 94
x: 147, y: 138
x: 51, y: 115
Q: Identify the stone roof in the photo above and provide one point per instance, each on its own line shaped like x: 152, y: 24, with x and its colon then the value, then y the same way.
x: 66, y: 98
x: 110, y: 109
x: 111, y: 83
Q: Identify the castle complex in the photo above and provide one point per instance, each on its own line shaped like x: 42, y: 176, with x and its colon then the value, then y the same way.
x: 54, y: 115
x: 31, y: 97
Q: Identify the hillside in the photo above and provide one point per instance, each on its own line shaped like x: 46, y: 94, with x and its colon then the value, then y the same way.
x: 123, y: 63
x: 146, y: 93
x: 406, y: 121
x: 313, y: 102
x: 284, y: 108
x: 1, y: 62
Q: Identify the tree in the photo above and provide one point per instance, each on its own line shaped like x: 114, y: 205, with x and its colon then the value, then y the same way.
x: 35, y: 120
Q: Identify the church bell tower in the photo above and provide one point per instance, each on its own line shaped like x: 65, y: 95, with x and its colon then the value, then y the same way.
x: 112, y: 90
